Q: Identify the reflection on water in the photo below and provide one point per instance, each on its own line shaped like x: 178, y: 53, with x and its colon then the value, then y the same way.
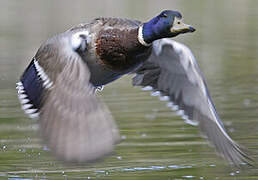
x: 157, y: 144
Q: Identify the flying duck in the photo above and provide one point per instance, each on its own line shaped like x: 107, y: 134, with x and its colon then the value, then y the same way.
x: 58, y: 87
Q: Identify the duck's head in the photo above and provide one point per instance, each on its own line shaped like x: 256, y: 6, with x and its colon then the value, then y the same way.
x: 167, y: 24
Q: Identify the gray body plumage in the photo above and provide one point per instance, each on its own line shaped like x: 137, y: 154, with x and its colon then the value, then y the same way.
x: 77, y: 126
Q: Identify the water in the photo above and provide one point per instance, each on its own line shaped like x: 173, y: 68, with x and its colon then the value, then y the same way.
x: 156, y: 144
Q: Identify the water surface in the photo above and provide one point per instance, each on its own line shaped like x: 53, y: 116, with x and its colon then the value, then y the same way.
x: 156, y: 144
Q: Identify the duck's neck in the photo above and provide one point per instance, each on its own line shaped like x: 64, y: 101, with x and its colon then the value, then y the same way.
x: 148, y: 32
x: 142, y: 38
x: 151, y: 31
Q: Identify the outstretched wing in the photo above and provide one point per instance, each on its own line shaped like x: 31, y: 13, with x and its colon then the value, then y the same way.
x: 173, y: 73
x: 74, y: 123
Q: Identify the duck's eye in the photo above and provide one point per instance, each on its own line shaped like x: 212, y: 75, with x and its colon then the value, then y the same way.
x: 178, y: 22
x: 164, y: 15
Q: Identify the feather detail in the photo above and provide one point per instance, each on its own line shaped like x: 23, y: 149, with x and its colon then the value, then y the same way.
x: 25, y: 102
x: 47, y: 83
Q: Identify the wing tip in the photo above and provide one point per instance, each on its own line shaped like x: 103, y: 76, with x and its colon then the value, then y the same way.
x: 239, y: 157
x: 243, y: 156
x: 235, y: 154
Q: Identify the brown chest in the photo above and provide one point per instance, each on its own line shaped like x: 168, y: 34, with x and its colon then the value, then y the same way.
x: 120, y: 50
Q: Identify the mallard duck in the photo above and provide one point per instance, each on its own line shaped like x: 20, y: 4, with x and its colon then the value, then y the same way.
x: 59, y: 84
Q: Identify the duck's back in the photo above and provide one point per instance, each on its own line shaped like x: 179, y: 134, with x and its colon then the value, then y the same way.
x: 121, y: 23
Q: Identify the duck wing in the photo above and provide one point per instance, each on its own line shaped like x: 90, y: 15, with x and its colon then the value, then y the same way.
x: 75, y: 124
x: 173, y: 72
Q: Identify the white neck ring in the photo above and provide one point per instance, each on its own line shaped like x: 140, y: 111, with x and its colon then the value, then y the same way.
x: 140, y: 37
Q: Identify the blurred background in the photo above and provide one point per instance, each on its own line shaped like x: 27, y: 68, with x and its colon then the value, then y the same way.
x: 157, y: 144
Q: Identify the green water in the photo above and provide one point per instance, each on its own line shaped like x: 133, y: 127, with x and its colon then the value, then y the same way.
x: 156, y: 144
